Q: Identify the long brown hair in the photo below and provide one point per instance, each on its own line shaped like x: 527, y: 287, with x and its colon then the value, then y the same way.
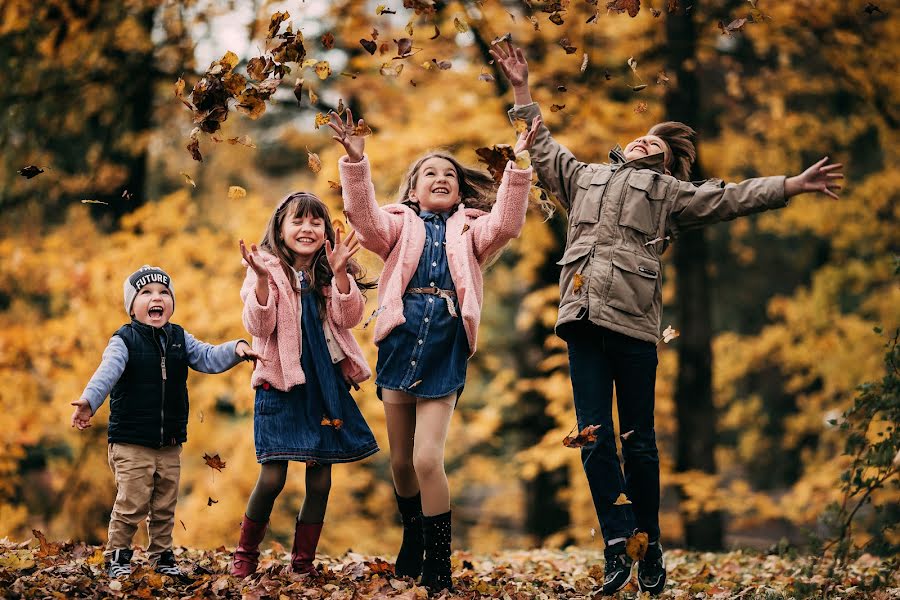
x: 477, y: 188
x: 680, y: 139
x: 302, y: 204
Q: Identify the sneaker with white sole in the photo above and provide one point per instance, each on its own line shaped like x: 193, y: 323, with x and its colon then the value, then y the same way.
x: 120, y: 566
x: 652, y: 570
x: 617, y: 571
x: 166, y: 564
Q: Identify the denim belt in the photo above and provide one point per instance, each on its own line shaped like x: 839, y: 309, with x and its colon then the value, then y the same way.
x: 447, y: 295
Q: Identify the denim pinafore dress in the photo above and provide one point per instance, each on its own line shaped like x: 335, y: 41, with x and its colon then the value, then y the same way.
x: 289, y: 425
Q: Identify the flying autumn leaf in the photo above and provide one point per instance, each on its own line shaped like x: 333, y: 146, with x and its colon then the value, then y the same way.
x: 556, y: 19
x: 578, y: 282
x: 335, y: 186
x: 214, y: 462
x: 321, y: 120
x: 638, y: 88
x: 662, y: 78
x: 323, y: 69
x: 210, y: 501
x: 338, y: 225
x: 570, y: 49
x: 194, y: 148
x: 496, y: 157
x: 314, y: 162
x: 535, y: 23
x: 627, y: 435
x: 389, y: 70
x: 640, y: 108
x: 381, y: 9
x: 362, y: 130
x: 275, y: 22
x: 336, y: 423
x: 460, y: 24
x: 735, y: 25
x: 30, y: 171
x: 94, y: 202
x: 236, y: 192
x: 313, y: 97
x: 437, y: 33
x: 584, y: 437
x: 404, y: 48
x: 622, y: 500
x: 188, y: 179
x: 557, y: 107
x: 636, y: 546
x: 655, y: 12
x: 328, y: 41
x: 368, y: 45
x: 584, y: 62
x: 669, y: 334
x: 520, y: 125
x: 485, y: 77
x: 620, y: 6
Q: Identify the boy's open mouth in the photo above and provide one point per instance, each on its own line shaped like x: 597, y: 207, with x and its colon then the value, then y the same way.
x: 155, y: 311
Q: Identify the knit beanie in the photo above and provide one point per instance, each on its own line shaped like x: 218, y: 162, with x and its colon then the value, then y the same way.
x: 142, y: 277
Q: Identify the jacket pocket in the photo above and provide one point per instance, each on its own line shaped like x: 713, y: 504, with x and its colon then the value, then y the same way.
x: 642, y: 203
x: 267, y: 402
x: 634, y: 283
x: 576, y: 272
x: 589, y: 197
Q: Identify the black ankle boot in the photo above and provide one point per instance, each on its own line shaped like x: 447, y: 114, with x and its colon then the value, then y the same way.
x: 436, y: 569
x: 412, y: 550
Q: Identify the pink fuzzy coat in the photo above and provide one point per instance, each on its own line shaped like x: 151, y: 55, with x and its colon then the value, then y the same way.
x: 275, y: 328
x: 396, y: 234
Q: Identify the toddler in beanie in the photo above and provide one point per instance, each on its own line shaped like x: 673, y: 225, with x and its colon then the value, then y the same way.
x: 145, y: 276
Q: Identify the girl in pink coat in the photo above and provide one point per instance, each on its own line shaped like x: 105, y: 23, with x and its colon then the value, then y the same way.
x: 434, y: 243
x: 301, y: 296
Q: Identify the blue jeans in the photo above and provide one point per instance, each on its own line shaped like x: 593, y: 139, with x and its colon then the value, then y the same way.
x: 597, y: 358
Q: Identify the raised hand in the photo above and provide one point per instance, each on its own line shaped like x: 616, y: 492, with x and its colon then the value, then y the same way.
x: 254, y: 260
x: 526, y: 138
x: 512, y: 62
x: 342, y: 252
x: 820, y: 177
x: 81, y: 417
x: 244, y: 351
x: 354, y: 144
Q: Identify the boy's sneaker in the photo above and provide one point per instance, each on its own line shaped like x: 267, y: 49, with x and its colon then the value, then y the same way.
x: 166, y: 565
x: 120, y: 566
x: 618, y: 568
x: 652, y: 570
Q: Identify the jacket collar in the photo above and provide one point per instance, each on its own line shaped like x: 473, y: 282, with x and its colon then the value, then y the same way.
x: 149, y: 330
x: 656, y: 162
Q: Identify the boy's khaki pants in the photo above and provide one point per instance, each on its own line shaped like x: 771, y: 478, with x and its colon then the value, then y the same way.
x: 147, y: 488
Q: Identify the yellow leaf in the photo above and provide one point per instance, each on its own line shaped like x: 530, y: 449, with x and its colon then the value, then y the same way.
x: 460, y: 24
x: 636, y: 546
x: 321, y: 120
x: 315, y: 163
x: 323, y: 69
x: 622, y: 500
x: 188, y: 179
x: 579, y: 281
x: 236, y: 192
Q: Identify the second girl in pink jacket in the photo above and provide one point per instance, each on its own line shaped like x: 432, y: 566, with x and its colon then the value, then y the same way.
x: 434, y: 244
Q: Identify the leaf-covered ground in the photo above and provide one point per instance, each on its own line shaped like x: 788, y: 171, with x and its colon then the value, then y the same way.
x: 42, y: 569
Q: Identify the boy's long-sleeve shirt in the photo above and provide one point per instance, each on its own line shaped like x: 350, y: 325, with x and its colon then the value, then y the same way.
x: 203, y: 357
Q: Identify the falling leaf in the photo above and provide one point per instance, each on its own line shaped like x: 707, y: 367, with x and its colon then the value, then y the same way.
x: 188, y: 179
x: 409, y: 27
x: 578, y: 283
x: 584, y: 62
x: 298, y: 91
x: 485, y: 77
x: 257, y: 68
x: 340, y: 107
x: 561, y: 89
x: 460, y: 24
x: 30, y: 171
x: 404, y: 48
x: 182, y: 524
x: 638, y: 88
x: 336, y: 423
x: 381, y: 9
x: 622, y: 500
x: 94, y: 202
x: 506, y: 37
x: 662, y: 78
x: 369, y: 46
x: 236, y: 192
x: 338, y: 226
x: 350, y: 75
x: 214, y: 462
x: 443, y: 65
x: 313, y: 97
x: 201, y: 416
x: 335, y: 186
x: 314, y: 162
x: 620, y: 6
x: 520, y: 125
x: 534, y: 23
x: 626, y: 435
x: 413, y: 83
x: 584, y: 437
x: 669, y: 334
x: 328, y: 41
x: 127, y: 195
x: 437, y: 33
x: 636, y: 546
x: 391, y: 70
x: 496, y: 158
x: 309, y: 62
x: 655, y: 12
x: 194, y: 148
x: 251, y: 103
x: 735, y: 25
x: 210, y: 501
x: 632, y: 63
x: 275, y: 22
x: 362, y: 130
x: 374, y: 33
x: 570, y: 49
x: 465, y: 228
x: 243, y: 140
x: 593, y: 18
x: 557, y: 107
x: 321, y: 120
x: 323, y: 69
x: 384, y: 48
x: 556, y: 18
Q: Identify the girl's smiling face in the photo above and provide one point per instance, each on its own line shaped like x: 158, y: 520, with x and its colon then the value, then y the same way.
x: 437, y: 185
x: 153, y: 305
x: 303, y: 235
x: 645, y: 146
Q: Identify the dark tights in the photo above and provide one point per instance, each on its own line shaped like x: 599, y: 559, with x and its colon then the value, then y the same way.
x: 271, y: 481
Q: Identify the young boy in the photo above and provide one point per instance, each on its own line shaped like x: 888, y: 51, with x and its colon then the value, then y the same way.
x: 144, y: 370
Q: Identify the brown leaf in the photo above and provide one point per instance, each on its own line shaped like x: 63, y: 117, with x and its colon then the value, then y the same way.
x: 214, y: 462
x: 443, y: 65
x: 655, y: 12
x: 437, y: 33
x: 210, y: 501
x: 328, y: 41
x: 194, y: 148
x: 335, y: 186
x: 362, y: 130
x: 557, y: 107
x: 234, y: 83
x: 276, y: 21
x: 638, y: 88
x: 460, y: 24
x: 578, y: 282
x: 409, y: 27
x: 313, y: 97
x: 640, y: 108
x: 620, y: 6
x: 340, y: 107
x: 298, y: 91
x: 30, y: 171
x: 251, y: 103
x: 188, y: 179
x: 404, y: 48
x: 243, y: 140
x: 422, y: 7
x: 534, y: 23
x: 258, y: 68
x: 336, y: 423
x: 627, y: 435
x: 369, y: 46
x: 485, y: 77
x: 584, y: 437
x: 314, y: 162
x: 338, y: 226
x: 570, y: 49
x: 556, y: 18
x: 374, y: 33
x: 636, y: 546
x: 182, y: 524
x: 496, y: 157
x: 384, y: 48
x: 662, y: 78
x: 465, y: 228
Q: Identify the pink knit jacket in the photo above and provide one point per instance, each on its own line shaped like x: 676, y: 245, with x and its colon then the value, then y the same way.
x: 276, y: 330
x: 396, y: 234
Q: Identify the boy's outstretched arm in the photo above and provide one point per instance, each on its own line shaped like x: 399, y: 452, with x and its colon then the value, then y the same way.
x: 556, y: 166
x: 209, y: 358
x: 112, y: 365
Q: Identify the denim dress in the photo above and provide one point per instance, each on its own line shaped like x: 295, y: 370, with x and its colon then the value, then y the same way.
x: 288, y: 425
x: 427, y: 355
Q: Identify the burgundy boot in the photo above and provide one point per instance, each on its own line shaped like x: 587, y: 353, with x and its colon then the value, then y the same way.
x: 246, y: 555
x: 306, y: 538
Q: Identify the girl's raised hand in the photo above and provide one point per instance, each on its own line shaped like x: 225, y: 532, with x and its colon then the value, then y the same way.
x: 820, y: 177
x: 355, y: 145
x: 526, y: 138
x: 512, y: 62
x: 254, y: 260
x: 342, y: 252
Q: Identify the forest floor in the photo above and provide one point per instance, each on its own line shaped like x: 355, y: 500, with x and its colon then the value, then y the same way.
x: 42, y: 569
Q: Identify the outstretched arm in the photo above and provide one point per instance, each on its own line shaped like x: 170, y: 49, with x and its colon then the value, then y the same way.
x: 556, y: 166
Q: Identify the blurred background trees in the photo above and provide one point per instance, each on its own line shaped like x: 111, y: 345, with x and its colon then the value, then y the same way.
x: 776, y: 311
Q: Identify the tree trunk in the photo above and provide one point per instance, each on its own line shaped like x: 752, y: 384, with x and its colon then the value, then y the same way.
x: 695, y: 412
